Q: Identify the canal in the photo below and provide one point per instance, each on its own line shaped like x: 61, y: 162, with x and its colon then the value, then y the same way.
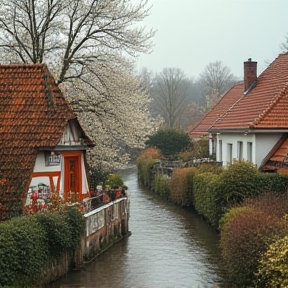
x: 169, y: 247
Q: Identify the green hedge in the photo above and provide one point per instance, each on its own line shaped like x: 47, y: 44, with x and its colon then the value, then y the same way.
x: 145, y: 171
x: 205, y: 197
x: 28, y: 242
x: 162, y: 185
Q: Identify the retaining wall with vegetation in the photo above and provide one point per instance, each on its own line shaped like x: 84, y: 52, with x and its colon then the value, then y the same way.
x: 39, y: 248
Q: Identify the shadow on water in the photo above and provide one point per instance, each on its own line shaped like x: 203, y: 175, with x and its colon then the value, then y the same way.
x: 169, y: 247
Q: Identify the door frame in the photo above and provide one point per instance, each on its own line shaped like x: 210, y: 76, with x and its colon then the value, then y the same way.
x: 78, y: 171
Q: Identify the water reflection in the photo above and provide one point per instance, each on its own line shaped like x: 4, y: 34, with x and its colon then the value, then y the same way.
x: 169, y: 247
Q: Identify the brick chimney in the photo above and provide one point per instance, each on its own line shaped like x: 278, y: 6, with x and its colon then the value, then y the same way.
x: 250, y: 73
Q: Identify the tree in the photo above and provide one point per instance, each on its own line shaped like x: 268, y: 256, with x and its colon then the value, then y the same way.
x: 216, y: 79
x: 169, y: 141
x: 86, y: 45
x: 284, y: 45
x: 170, y: 92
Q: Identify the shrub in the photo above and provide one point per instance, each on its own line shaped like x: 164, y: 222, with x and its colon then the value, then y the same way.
x: 27, y: 244
x: 237, y: 182
x: 162, y: 185
x: 246, y: 232
x: 57, y: 228
x: 267, y: 182
x: 181, y: 187
x: 98, y: 176
x: 23, y: 251
x: 76, y: 223
x: 152, y: 153
x: 169, y: 141
x: 273, y: 268
x: 205, y: 197
x: 145, y: 171
x: 206, y: 167
x: 114, y: 181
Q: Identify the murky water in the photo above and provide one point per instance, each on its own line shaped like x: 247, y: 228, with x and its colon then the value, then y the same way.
x: 169, y: 247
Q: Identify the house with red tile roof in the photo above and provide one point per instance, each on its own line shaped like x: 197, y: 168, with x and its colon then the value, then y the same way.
x: 42, y: 143
x: 257, y: 122
x: 250, y: 122
x: 200, y: 129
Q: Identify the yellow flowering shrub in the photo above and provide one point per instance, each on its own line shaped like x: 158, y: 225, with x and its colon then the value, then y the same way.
x: 273, y: 268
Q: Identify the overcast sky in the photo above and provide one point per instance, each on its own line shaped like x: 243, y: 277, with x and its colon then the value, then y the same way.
x: 193, y: 33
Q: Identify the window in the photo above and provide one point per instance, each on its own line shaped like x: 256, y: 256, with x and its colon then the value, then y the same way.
x: 249, y: 151
x: 220, y: 151
x: 229, y: 153
x: 240, y: 150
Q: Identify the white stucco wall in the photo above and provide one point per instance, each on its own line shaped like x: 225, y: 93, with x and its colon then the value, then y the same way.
x: 261, y: 146
x: 41, y: 167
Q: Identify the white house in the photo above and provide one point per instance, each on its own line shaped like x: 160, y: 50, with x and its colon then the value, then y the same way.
x: 256, y: 123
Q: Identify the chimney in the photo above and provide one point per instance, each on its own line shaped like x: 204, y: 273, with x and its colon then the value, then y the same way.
x: 250, y: 73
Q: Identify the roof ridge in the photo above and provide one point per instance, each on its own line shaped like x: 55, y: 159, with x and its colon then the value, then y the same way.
x: 270, y: 106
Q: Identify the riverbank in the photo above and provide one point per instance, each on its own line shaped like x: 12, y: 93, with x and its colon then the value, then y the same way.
x: 169, y: 247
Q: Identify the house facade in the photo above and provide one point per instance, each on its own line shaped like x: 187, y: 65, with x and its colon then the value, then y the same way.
x: 42, y: 144
x: 257, y: 121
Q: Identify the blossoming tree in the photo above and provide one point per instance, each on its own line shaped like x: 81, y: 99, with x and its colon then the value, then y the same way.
x: 87, y: 45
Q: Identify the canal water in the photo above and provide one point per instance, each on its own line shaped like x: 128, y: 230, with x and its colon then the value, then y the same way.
x: 170, y: 247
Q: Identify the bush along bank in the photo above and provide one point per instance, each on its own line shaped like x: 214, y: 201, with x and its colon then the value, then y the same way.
x: 248, y: 207
x: 30, y: 244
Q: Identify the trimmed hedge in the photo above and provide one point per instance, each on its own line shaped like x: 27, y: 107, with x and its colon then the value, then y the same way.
x: 205, y: 197
x: 181, y: 186
x: 28, y: 242
x: 162, y: 185
x: 145, y: 171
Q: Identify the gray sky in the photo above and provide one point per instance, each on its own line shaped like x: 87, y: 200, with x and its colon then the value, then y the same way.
x: 193, y: 33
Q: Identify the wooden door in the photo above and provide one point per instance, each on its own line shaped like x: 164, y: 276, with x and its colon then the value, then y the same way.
x: 72, y: 177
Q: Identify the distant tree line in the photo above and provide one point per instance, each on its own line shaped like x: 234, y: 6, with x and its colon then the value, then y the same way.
x: 182, y: 101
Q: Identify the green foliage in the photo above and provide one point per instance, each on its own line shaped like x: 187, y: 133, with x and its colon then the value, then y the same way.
x: 237, y: 182
x: 98, y: 176
x: 181, y: 186
x: 145, y: 171
x: 267, y: 182
x: 273, y: 268
x: 162, y: 185
x: 202, y: 148
x: 114, y: 181
x: 76, y: 223
x: 169, y: 141
x: 23, y: 251
x: 28, y: 242
x: 205, y: 197
x: 64, y: 229
x: 247, y: 231
x: 208, y: 167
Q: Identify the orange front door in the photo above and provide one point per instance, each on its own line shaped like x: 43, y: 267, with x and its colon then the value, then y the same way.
x: 72, y: 177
